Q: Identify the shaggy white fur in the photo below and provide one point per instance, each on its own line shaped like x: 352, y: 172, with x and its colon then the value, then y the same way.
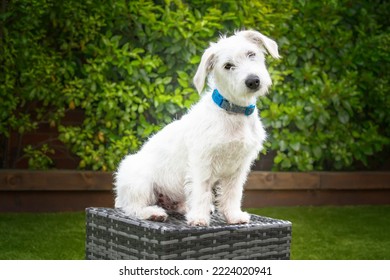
x: 209, y: 147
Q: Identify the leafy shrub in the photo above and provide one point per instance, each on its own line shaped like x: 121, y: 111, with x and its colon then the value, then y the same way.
x: 129, y: 64
x: 328, y: 107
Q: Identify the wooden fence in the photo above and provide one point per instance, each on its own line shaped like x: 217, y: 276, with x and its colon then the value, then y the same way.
x: 65, y: 190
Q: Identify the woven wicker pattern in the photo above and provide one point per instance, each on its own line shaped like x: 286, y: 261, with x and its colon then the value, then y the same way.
x: 112, y: 235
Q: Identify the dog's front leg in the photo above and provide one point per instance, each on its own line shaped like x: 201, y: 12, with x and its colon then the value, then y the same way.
x: 230, y: 197
x: 199, y: 199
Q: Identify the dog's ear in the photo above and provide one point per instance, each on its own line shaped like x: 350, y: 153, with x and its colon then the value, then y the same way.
x: 204, y: 68
x: 260, y: 39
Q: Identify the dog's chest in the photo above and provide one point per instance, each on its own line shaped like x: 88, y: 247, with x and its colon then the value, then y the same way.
x: 231, y: 153
x: 236, y: 145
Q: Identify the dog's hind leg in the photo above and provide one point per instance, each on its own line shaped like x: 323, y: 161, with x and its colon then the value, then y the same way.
x: 153, y: 213
x: 135, y: 193
x: 139, y: 199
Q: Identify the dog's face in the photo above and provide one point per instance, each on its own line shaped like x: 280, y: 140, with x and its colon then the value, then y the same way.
x: 236, y: 66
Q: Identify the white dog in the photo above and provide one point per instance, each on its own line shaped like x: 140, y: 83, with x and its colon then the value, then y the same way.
x: 211, y: 147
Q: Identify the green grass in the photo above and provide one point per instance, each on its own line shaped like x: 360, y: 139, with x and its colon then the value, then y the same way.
x: 42, y: 236
x: 336, y: 233
x: 356, y: 232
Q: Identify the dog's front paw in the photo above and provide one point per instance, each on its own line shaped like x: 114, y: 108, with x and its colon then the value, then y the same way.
x: 238, y: 218
x: 195, y: 219
x: 198, y: 222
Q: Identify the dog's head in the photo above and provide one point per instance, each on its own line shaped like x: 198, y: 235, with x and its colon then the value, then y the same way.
x: 236, y: 66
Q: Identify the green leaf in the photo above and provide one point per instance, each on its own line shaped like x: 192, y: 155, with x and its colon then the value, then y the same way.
x: 343, y: 116
x: 282, y: 145
x: 317, y: 151
x: 295, y: 146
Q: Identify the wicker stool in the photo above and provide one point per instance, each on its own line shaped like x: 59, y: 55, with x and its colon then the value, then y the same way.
x: 112, y: 235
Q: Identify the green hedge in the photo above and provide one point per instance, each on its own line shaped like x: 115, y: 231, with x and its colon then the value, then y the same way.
x: 129, y: 64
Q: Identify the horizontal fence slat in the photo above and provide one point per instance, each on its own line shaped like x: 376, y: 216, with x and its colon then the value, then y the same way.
x: 256, y: 199
x: 355, y: 180
x: 53, y: 180
x: 259, y: 180
x: 73, y: 180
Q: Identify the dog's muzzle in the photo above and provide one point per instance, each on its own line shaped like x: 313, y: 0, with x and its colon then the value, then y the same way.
x: 252, y: 82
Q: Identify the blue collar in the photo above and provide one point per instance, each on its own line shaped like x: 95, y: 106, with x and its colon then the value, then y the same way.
x: 225, y: 104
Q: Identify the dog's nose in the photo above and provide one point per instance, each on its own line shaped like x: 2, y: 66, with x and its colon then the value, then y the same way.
x: 252, y: 82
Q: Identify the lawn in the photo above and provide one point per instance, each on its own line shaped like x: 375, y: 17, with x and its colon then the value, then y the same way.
x: 336, y: 233
x: 355, y: 232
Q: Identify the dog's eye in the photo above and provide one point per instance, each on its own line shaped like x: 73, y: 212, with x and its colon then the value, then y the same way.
x: 251, y: 54
x: 229, y: 66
